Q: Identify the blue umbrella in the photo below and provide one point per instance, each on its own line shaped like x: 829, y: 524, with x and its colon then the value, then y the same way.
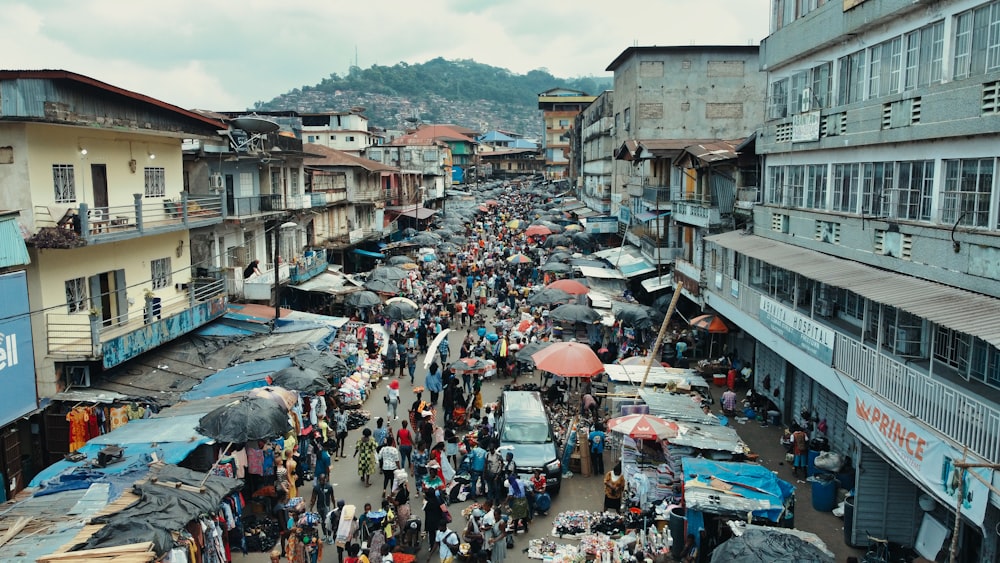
x: 481, y: 332
x: 492, y: 337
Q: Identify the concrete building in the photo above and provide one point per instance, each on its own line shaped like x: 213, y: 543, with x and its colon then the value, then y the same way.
x: 597, y: 149
x: 346, y: 131
x: 560, y: 106
x: 667, y: 99
x: 867, y: 289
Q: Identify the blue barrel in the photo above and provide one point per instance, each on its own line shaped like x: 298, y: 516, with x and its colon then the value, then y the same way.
x: 824, y: 494
x: 811, y: 467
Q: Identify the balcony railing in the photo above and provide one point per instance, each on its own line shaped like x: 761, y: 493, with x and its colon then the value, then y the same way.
x: 696, y: 212
x: 656, y: 195
x: 115, y: 339
x: 144, y: 215
x: 309, y: 266
x: 300, y: 201
x: 952, y: 411
x: 324, y: 198
x: 254, y: 205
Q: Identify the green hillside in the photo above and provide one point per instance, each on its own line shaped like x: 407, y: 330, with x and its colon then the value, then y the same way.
x: 463, y: 92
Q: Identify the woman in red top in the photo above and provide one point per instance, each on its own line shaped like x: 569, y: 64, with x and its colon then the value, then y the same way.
x: 405, y: 440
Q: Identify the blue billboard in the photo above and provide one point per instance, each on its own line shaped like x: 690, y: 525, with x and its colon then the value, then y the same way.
x: 17, y: 360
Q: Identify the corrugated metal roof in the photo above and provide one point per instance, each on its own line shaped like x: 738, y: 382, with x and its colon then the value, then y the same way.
x: 953, y: 307
x: 13, y: 251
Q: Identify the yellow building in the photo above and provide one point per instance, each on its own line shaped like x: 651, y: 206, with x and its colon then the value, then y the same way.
x: 96, y: 173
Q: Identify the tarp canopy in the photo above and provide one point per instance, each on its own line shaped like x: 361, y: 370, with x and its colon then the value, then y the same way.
x: 753, y: 488
x: 368, y: 253
x: 238, y: 378
x: 162, y: 509
x: 420, y: 213
x: 767, y: 545
x: 331, y: 282
x: 659, y: 376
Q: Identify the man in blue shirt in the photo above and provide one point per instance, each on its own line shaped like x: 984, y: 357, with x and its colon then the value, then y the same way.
x: 478, y: 465
x: 597, y: 438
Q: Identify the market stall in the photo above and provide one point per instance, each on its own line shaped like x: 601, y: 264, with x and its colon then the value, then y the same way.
x: 365, y: 369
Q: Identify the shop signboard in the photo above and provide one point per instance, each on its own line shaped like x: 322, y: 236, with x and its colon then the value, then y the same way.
x: 919, y: 453
x: 599, y: 225
x: 17, y: 361
x: 798, y: 329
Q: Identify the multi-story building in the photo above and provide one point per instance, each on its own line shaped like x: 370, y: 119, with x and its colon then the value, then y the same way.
x: 461, y: 142
x: 667, y: 99
x: 96, y: 173
x: 425, y: 173
x: 560, y: 106
x: 867, y: 290
x: 597, y: 150
x: 345, y: 131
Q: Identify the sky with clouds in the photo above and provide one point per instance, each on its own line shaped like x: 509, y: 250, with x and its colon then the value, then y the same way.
x: 227, y: 54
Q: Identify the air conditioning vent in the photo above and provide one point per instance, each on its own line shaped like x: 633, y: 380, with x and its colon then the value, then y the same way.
x: 991, y: 97
x: 915, y: 111
x: 824, y: 308
x: 215, y: 182
x: 886, y: 116
x: 77, y: 376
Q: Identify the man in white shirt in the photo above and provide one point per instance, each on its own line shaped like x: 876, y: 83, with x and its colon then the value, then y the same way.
x: 446, y: 540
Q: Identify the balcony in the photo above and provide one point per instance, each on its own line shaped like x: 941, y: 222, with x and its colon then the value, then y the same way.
x: 250, y: 206
x: 309, y: 266
x: 324, y: 198
x: 691, y: 277
x: 145, y: 216
x: 83, y: 337
x: 957, y: 413
x: 659, y: 197
x: 658, y: 250
x: 695, y: 212
x: 301, y: 201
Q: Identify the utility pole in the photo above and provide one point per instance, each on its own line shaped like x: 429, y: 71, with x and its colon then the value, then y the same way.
x: 655, y: 353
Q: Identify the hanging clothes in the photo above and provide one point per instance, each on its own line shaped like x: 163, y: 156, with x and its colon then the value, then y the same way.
x: 78, y: 419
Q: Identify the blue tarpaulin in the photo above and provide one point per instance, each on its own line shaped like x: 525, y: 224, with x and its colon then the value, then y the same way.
x: 754, y: 489
x: 368, y: 253
x: 241, y: 377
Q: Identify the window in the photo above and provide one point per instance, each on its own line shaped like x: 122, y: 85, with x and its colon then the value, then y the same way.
x: 798, y: 86
x: 76, y: 295
x: 851, y: 70
x: 796, y: 185
x: 952, y: 348
x: 845, y: 187
x: 628, y: 119
x: 311, y: 138
x: 64, y: 183
x: 160, y: 272
x: 822, y: 84
x: 156, y: 185
x: 350, y: 138
x: 985, y: 364
x: 775, y: 185
x: 293, y: 179
x: 815, y: 190
x: 778, y: 106
x: 977, y: 41
x: 876, y: 184
x: 333, y: 137
x: 851, y: 306
x: 914, y: 187
x: 968, y: 186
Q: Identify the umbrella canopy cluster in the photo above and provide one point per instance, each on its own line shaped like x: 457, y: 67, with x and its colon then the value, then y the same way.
x: 328, y: 365
x: 573, y: 313
x: 549, y: 296
x: 245, y: 419
x: 362, y: 299
x: 300, y: 379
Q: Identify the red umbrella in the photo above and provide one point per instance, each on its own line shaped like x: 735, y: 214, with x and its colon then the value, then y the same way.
x: 572, y: 287
x: 568, y: 359
x: 712, y: 324
x: 537, y: 231
x: 643, y: 427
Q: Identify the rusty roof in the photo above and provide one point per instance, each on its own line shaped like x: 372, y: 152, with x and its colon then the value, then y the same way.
x: 333, y: 157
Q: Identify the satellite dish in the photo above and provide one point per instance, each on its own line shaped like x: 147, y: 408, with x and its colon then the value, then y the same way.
x: 254, y: 124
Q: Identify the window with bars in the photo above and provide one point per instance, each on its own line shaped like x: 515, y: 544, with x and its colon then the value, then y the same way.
x: 952, y: 348
x: 985, y: 363
x: 76, y: 295
x: 851, y: 73
x: 977, y: 41
x: 822, y: 84
x: 160, y: 272
x: 815, y: 191
x: 846, y: 178
x: 851, y: 305
x: 796, y: 185
x: 778, y: 106
x: 913, y: 191
x: 64, y: 183
x: 156, y: 183
x: 774, y: 194
x: 876, y: 184
x: 968, y: 188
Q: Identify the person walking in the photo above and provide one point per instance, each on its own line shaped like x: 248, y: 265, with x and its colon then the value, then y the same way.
x: 404, y: 441
x: 597, y: 438
x: 365, y: 452
x: 477, y: 466
x: 443, y: 349
x: 800, y: 449
x: 495, y: 534
x: 321, y: 502
x: 411, y: 362
x: 392, y: 400
x: 433, y: 382
x: 340, y: 425
x: 380, y: 432
x: 614, y: 486
x: 388, y: 458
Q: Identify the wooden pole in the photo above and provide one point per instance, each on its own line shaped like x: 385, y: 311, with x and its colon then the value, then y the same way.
x: 655, y: 353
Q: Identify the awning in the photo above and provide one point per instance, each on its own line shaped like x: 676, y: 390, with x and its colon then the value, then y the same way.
x: 333, y: 283
x: 368, y: 253
x: 653, y: 285
x: 649, y: 215
x: 949, y: 306
x: 603, y: 273
x: 420, y: 213
x: 586, y: 212
x: 13, y: 251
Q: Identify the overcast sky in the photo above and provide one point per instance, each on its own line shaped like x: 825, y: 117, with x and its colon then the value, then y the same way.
x: 227, y: 54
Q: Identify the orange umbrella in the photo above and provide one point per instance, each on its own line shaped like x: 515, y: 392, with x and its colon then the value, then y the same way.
x: 569, y: 286
x: 712, y: 324
x: 537, y: 231
x: 568, y: 359
x: 644, y: 427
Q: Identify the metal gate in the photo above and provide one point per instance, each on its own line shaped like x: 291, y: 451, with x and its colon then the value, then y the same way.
x: 885, y: 503
x: 769, y: 376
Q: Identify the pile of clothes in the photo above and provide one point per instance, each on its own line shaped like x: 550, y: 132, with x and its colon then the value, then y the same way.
x: 608, y: 523
x: 572, y: 523
x: 260, y: 532
x: 358, y: 418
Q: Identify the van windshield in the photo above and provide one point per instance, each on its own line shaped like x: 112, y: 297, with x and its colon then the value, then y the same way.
x: 525, y: 433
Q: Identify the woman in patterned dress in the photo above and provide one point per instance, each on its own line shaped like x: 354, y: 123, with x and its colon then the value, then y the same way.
x: 366, y: 460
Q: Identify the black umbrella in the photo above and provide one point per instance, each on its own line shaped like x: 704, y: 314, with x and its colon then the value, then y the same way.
x: 400, y: 311
x: 554, y: 266
x: 361, y: 299
x: 300, y: 378
x: 559, y: 256
x: 573, y: 313
x: 584, y: 240
x: 400, y: 260
x: 468, y: 365
x: 390, y: 273
x: 662, y: 303
x: 634, y: 315
x: 766, y: 546
x: 448, y: 247
x: 458, y: 239
x: 557, y: 240
x: 245, y: 419
x: 425, y: 239
x: 549, y: 296
x: 409, y: 232
x: 526, y: 351
x: 327, y: 364
x: 382, y: 286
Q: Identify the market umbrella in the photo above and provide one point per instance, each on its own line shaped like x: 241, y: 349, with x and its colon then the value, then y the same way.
x: 391, y: 273
x: 362, y: 299
x: 469, y: 365
x: 448, y: 247
x: 556, y: 267
x: 382, y: 286
x: 280, y: 395
x: 585, y: 240
x: 559, y: 256
x: 712, y: 324
x: 634, y: 315
x: 519, y: 259
x: 573, y: 227
x: 425, y: 239
x: 400, y: 311
x: 458, y: 239
x: 400, y: 260
x: 550, y: 225
x: 643, y: 427
x: 568, y: 359
x: 404, y: 300
x: 769, y: 545
x: 557, y: 240
x: 432, y: 350
x: 327, y: 364
x: 569, y: 286
x: 549, y: 296
x: 573, y: 313
x: 245, y: 419
x: 515, y: 224
x: 662, y: 303
x: 538, y: 231
x: 301, y: 379
x: 526, y: 351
